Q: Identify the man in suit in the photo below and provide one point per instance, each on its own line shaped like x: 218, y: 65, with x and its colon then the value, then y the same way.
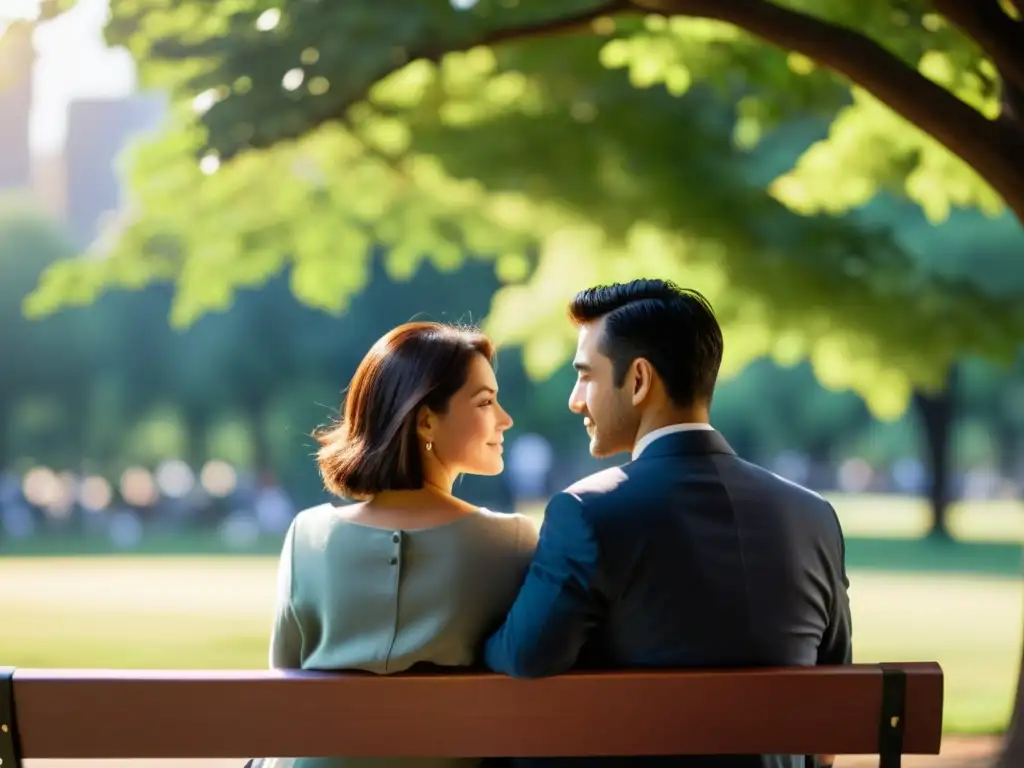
x: 686, y: 556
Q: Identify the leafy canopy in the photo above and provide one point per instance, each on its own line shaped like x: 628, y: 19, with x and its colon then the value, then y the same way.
x: 568, y: 145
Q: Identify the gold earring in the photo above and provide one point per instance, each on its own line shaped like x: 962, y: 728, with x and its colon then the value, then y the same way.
x: 429, y: 446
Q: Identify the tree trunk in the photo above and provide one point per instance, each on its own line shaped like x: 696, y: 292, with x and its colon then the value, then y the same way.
x: 197, y: 428
x: 1012, y: 755
x: 1013, y: 747
x: 6, y: 411
x: 261, y: 457
x: 1010, y: 445
x: 936, y: 412
x: 76, y: 424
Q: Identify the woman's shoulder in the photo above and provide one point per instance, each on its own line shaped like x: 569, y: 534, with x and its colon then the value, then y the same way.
x: 322, y: 521
x: 517, y: 529
x: 511, y: 520
x: 321, y: 514
x: 315, y: 523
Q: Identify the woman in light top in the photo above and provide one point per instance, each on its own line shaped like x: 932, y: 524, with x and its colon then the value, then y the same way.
x: 409, y: 574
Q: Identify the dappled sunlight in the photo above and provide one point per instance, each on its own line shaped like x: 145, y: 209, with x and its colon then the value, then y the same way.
x: 210, y: 211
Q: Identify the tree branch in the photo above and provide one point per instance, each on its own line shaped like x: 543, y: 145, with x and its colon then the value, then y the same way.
x: 989, y: 84
x: 982, y: 143
x: 552, y: 28
x: 393, y: 163
x: 999, y: 36
x: 555, y: 27
x: 51, y: 9
x: 564, y: 25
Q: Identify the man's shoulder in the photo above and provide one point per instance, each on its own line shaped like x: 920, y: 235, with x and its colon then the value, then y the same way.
x: 779, y: 484
x: 785, y: 494
x: 598, y: 485
x: 609, y: 489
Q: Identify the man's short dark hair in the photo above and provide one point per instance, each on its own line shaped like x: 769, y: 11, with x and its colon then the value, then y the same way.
x: 674, y: 328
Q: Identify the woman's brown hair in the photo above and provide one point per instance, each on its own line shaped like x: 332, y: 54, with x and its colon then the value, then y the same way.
x: 374, y: 447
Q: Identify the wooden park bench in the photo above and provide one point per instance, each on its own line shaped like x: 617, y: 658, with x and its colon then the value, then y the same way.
x: 886, y: 709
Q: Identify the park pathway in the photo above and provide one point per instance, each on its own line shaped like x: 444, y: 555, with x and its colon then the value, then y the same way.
x: 957, y: 752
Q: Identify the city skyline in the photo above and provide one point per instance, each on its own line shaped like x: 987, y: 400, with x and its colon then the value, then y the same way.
x: 92, y: 71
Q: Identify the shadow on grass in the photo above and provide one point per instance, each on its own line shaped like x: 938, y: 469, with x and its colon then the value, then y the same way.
x: 911, y: 555
x: 935, y: 555
x: 177, y: 545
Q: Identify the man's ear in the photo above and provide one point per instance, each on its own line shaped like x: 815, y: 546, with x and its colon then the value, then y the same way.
x: 640, y: 380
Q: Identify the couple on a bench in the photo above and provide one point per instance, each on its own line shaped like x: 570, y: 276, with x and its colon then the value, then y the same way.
x: 686, y: 556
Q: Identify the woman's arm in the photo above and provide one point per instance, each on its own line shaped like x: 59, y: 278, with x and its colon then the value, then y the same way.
x: 559, y: 601
x: 527, y: 537
x: 285, y: 636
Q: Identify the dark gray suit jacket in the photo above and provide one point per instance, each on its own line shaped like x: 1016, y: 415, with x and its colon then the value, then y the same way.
x: 687, y: 557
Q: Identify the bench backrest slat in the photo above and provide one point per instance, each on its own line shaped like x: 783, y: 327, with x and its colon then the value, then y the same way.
x: 190, y: 714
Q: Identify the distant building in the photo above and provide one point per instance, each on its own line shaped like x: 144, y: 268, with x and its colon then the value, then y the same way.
x: 48, y: 184
x: 17, y: 58
x: 98, y: 132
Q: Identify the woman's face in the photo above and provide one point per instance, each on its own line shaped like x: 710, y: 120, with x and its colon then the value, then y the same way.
x: 468, y: 438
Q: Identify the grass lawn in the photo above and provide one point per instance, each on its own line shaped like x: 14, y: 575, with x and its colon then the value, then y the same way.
x: 998, y: 525
x: 907, y: 517
x: 213, y: 612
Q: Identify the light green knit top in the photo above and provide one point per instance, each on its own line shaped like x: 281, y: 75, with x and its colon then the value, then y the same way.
x: 352, y: 597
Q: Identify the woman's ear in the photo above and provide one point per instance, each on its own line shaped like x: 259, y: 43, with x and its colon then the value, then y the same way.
x: 425, y: 424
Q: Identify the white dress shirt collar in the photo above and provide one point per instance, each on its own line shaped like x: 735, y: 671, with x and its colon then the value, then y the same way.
x: 671, y: 429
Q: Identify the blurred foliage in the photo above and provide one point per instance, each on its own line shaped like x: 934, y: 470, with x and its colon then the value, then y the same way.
x: 49, y: 9
x: 114, y: 386
x: 276, y: 70
x: 305, y: 134
x: 28, y: 245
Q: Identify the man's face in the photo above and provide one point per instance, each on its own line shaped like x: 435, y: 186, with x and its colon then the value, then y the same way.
x: 609, y: 415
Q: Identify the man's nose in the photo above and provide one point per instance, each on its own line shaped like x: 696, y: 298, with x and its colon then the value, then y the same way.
x: 576, y: 402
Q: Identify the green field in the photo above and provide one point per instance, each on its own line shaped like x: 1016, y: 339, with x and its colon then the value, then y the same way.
x: 875, y: 516
x: 960, y: 605
x: 214, y: 613
x: 996, y: 524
